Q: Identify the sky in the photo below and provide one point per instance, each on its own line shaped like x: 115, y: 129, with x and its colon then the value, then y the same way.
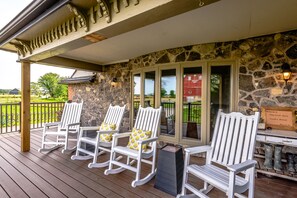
x: 10, y: 70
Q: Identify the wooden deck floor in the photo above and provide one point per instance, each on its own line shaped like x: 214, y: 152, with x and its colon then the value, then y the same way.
x: 34, y: 174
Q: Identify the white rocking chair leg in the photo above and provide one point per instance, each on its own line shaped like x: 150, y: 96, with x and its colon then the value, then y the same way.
x: 69, y: 150
x: 230, y: 192
x: 42, y: 143
x: 95, y: 154
x: 138, y: 168
x: 66, y: 142
x: 185, y: 175
x: 110, y: 167
x: 251, y: 184
x: 207, y: 189
x: 154, y: 170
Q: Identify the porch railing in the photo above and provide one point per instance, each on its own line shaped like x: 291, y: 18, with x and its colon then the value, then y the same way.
x: 40, y: 113
x: 191, y: 111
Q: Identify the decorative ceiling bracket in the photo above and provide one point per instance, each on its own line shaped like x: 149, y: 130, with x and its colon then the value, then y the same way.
x: 116, y: 6
x: 82, y: 17
x: 19, y: 48
x: 92, y: 15
x: 126, y: 3
x: 105, y: 9
x: 26, y: 45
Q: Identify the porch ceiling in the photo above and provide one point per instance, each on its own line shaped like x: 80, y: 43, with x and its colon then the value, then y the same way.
x: 224, y: 20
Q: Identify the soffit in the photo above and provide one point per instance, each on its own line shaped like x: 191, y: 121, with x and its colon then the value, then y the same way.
x: 226, y: 20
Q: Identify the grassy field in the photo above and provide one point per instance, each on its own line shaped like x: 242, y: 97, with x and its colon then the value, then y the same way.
x: 17, y: 98
x: 40, y: 112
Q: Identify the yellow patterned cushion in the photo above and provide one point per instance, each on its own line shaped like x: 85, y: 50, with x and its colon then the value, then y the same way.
x: 105, y: 127
x: 138, y: 134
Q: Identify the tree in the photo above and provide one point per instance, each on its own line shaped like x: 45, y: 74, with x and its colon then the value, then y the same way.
x: 163, y: 92
x: 172, y: 94
x: 49, y: 82
x: 35, y: 89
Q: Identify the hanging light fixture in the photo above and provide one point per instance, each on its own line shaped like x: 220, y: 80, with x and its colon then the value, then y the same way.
x: 114, y: 82
x: 287, y: 72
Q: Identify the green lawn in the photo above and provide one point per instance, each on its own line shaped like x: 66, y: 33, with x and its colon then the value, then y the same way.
x: 17, y: 98
x: 40, y: 113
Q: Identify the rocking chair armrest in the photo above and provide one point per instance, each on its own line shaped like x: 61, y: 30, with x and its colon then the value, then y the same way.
x: 236, y: 168
x: 147, y: 140
x: 107, y: 132
x: 72, y: 124
x: 121, y: 135
x: 52, y: 124
x: 198, y: 149
x: 91, y: 128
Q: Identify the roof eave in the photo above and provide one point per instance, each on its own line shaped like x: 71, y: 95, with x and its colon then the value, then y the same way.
x: 29, y: 16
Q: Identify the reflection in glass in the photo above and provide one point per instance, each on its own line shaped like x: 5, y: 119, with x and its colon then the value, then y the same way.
x: 191, y: 114
x: 136, y: 94
x: 219, y: 92
x: 149, y: 89
x: 168, y: 99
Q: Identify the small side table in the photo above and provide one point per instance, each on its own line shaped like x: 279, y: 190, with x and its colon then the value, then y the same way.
x: 170, y: 170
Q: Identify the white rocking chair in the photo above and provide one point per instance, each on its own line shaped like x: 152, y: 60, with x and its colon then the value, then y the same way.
x: 114, y: 116
x: 148, y: 119
x: 233, y: 148
x: 68, y: 126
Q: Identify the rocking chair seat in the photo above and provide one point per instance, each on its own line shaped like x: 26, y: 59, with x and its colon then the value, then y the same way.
x: 92, y: 141
x: 131, y: 152
x: 216, y: 176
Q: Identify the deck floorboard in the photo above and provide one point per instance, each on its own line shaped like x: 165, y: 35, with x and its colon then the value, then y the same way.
x: 53, y: 174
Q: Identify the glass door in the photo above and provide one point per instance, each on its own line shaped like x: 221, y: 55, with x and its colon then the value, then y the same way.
x: 168, y: 101
x: 191, y: 102
x: 149, y: 89
x: 136, y: 94
x: 220, y: 92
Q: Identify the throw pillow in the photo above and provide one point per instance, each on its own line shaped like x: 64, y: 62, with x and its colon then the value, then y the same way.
x: 138, y: 134
x: 106, y: 127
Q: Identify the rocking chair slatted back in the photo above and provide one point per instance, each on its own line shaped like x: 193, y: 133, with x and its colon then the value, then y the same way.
x: 114, y: 115
x: 71, y: 114
x: 148, y: 119
x: 234, y: 138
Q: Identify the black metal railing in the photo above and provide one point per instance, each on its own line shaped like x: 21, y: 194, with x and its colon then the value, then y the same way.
x: 191, y: 111
x: 40, y: 113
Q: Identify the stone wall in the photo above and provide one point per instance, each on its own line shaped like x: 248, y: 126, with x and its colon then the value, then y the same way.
x: 99, y: 95
x: 260, y: 80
